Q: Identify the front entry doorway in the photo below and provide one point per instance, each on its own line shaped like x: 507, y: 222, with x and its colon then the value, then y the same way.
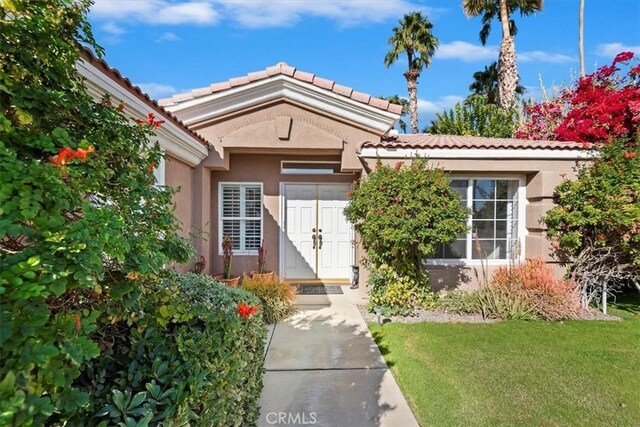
x: 317, y: 238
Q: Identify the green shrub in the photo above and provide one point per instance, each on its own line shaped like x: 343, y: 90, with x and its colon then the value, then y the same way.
x: 457, y: 302
x: 277, y: 297
x: 397, y: 295
x: 475, y: 116
x: 497, y: 302
x: 78, y: 210
x: 403, y: 214
x: 182, y: 354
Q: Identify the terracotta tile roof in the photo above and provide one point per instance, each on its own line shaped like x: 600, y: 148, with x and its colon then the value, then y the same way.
x: 425, y: 140
x: 282, y: 68
x: 116, y: 76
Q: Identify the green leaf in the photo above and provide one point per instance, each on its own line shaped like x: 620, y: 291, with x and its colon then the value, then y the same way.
x: 137, y: 399
x: 7, y: 385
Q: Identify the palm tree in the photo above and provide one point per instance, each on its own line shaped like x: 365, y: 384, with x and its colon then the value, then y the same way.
x: 581, y: 37
x: 414, y: 37
x: 507, y: 67
x: 396, y: 99
x: 485, y: 83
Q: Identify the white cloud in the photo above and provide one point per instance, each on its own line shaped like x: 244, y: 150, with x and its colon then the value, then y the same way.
x: 168, y: 37
x: 256, y: 13
x: 612, y: 49
x: 540, y: 56
x: 157, y: 90
x: 112, y: 28
x: 436, y: 106
x: 156, y: 11
x: 270, y: 13
x: 467, y: 52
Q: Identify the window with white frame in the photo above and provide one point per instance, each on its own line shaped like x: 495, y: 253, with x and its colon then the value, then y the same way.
x: 493, y: 222
x: 241, y: 216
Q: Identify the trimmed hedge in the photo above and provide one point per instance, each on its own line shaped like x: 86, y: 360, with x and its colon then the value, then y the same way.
x: 184, y: 354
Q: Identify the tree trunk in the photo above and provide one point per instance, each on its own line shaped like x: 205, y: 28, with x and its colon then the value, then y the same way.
x: 581, y: 38
x: 412, y: 88
x: 507, y: 67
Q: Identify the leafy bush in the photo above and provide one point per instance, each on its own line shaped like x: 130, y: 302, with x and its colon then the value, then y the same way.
x: 179, y: 351
x: 403, y: 214
x: 397, y: 295
x: 78, y: 208
x: 277, y: 297
x: 534, y: 282
x: 475, y: 117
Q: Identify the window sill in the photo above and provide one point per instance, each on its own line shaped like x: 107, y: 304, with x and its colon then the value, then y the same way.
x: 244, y: 253
x: 467, y: 262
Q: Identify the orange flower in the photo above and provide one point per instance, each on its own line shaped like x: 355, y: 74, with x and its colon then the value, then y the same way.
x: 151, y: 167
x: 81, y: 153
x: 630, y: 155
x: 150, y: 121
x: 66, y: 154
x: 245, y: 311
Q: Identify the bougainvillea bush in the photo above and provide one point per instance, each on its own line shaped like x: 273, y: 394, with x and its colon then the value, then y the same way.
x: 84, y: 234
x: 599, y: 108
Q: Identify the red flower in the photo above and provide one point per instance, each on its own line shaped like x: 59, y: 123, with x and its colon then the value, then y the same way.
x: 150, y: 121
x: 630, y: 155
x: 245, y: 311
x: 623, y: 57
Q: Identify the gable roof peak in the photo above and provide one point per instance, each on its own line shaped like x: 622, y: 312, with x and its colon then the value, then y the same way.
x: 282, y: 68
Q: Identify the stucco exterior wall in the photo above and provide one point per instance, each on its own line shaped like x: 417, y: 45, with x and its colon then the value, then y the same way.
x: 179, y: 175
x: 266, y: 169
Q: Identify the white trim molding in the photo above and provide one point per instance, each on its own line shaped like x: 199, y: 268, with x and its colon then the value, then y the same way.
x: 172, y: 139
x: 477, y: 153
x: 522, y: 232
x: 282, y: 87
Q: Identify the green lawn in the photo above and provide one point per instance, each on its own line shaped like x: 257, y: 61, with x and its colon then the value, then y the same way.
x: 519, y: 373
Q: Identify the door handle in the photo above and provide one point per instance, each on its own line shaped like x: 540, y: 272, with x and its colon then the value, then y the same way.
x: 313, y: 237
x: 320, y: 241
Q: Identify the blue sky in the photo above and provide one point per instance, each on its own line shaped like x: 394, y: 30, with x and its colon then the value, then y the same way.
x: 169, y: 47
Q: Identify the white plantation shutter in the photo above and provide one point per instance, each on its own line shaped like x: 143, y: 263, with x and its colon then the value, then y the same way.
x: 241, y: 216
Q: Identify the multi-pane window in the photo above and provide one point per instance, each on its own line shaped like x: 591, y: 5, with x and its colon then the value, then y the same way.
x: 493, y: 222
x: 241, y: 216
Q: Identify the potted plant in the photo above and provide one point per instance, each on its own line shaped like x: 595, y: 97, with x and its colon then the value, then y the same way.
x: 262, y: 271
x: 227, y: 253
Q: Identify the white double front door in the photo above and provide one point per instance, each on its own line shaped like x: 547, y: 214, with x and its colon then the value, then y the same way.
x: 316, y: 238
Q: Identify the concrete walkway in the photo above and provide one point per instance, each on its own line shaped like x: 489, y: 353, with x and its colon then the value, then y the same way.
x: 324, y: 369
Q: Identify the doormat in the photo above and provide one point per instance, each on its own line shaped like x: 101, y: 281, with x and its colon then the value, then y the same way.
x: 319, y: 289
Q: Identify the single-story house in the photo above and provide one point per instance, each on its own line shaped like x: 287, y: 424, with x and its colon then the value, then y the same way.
x: 269, y: 158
